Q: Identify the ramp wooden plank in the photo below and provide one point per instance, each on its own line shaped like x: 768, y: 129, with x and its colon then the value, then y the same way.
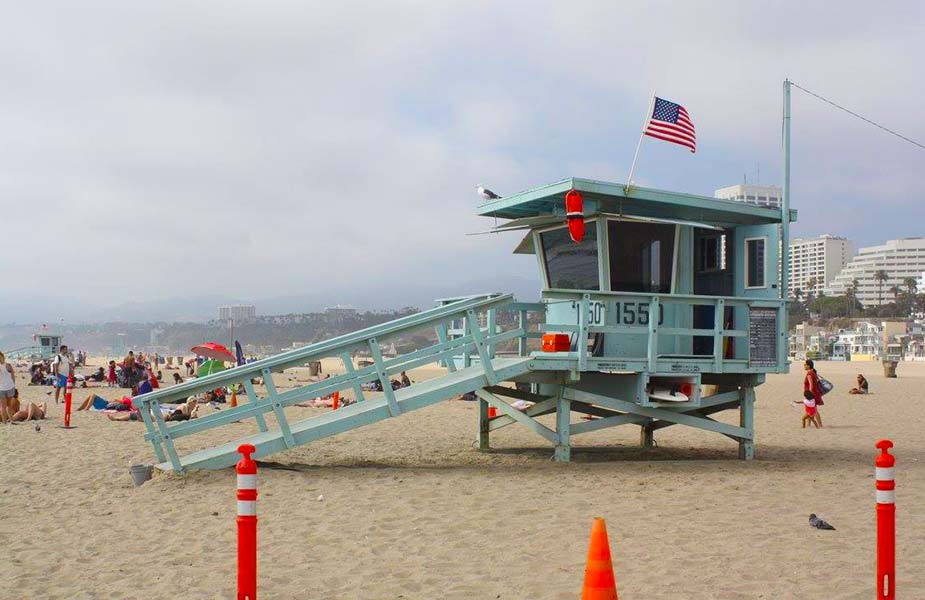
x: 350, y: 417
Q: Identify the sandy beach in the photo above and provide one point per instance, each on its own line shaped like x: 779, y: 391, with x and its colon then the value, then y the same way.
x: 407, y: 508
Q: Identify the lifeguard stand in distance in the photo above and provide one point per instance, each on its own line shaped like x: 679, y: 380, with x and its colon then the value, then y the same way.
x: 661, y: 295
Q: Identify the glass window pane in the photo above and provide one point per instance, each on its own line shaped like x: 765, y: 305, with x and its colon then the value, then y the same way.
x: 641, y: 256
x: 754, y: 272
x: 571, y: 266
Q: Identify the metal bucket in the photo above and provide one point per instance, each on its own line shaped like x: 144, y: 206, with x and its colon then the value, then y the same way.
x: 141, y: 473
x: 314, y: 368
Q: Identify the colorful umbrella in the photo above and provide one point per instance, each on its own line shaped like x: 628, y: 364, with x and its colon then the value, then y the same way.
x: 210, y: 366
x: 214, y: 351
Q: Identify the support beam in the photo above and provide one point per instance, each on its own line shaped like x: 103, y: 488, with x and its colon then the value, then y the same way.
x: 647, y: 435
x: 518, y: 416
x: 394, y: 409
x: 747, y: 422
x: 273, y: 397
x: 484, y: 426
x: 657, y: 413
x: 484, y: 355
x: 444, y: 339
x: 563, y: 429
x: 253, y: 398
x: 539, y: 409
x: 348, y: 368
x: 699, y: 412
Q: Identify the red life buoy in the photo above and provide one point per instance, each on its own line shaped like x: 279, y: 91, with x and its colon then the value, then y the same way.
x: 574, y: 214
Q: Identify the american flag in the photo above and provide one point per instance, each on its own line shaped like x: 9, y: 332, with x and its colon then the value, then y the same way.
x: 670, y: 122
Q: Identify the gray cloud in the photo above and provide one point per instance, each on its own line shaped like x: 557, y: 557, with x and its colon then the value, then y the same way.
x: 177, y: 149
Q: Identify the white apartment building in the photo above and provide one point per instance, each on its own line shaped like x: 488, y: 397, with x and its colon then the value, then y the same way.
x: 900, y: 259
x: 817, y: 259
x: 239, y: 313
x: 768, y: 196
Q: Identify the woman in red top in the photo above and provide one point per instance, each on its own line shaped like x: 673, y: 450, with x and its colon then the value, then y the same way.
x: 811, y: 385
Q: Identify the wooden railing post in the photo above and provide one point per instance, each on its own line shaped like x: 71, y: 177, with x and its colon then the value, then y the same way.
x: 584, y: 308
x: 719, y: 319
x: 652, y: 354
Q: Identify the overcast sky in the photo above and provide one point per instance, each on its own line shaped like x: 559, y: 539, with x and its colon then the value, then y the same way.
x: 170, y: 149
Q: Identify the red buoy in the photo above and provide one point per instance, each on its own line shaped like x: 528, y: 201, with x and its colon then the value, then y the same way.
x: 574, y: 214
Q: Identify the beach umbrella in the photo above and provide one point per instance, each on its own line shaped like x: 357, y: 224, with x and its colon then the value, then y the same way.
x: 213, y: 351
x: 209, y: 367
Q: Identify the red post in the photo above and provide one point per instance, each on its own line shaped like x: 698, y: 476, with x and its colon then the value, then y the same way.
x: 886, y: 522
x: 335, y: 400
x: 247, y: 524
x: 68, y: 397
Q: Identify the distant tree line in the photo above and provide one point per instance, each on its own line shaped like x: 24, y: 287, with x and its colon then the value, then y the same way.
x: 901, y: 301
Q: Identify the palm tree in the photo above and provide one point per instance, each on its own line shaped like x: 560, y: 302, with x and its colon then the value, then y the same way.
x: 851, y: 294
x: 881, y: 277
x: 911, y: 284
x: 810, y: 288
x: 797, y: 294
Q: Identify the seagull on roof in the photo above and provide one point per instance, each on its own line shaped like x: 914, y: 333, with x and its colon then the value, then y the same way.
x: 487, y: 193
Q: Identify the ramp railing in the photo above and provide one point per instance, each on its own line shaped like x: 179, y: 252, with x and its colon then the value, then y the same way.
x: 477, y: 339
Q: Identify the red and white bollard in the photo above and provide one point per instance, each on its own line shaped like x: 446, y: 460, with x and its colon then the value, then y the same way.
x: 886, y: 522
x: 68, y: 399
x: 247, y: 524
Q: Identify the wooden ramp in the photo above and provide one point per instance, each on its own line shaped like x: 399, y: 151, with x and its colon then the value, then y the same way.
x: 356, y: 415
x: 473, y: 345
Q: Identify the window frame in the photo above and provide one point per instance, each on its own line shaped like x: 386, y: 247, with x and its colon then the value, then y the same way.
x: 746, y: 255
x: 606, y: 249
x: 541, y: 252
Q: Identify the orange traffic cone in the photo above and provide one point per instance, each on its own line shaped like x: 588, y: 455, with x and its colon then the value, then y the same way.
x: 599, y: 580
x: 234, y: 397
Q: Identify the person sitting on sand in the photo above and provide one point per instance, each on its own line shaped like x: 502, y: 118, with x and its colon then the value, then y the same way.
x: 863, y: 386
x: 405, y: 381
x: 144, y: 387
x: 177, y: 379
x: 99, y: 376
x: 33, y: 412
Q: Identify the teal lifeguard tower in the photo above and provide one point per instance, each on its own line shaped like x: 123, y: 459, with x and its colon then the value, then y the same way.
x: 45, y: 347
x: 663, y: 297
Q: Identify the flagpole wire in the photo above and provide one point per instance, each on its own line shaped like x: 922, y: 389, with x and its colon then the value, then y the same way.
x: 854, y: 114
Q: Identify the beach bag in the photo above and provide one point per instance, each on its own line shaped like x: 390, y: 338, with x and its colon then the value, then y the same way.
x: 825, y: 386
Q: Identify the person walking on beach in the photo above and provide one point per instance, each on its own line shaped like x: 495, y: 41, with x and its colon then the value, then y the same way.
x: 812, y: 397
x: 62, y: 368
x: 7, y: 388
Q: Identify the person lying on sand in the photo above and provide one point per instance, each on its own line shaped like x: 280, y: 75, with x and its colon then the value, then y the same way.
x: 326, y: 402
x: 184, y: 412
x: 33, y: 412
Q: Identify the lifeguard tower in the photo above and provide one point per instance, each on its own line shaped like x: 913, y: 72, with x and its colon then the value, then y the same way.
x: 663, y: 296
x: 46, y: 346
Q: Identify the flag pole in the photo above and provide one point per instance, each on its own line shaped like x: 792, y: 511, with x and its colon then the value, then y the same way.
x: 785, y: 201
x: 629, y: 180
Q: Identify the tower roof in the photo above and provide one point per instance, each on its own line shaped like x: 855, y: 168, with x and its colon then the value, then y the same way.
x: 615, y: 198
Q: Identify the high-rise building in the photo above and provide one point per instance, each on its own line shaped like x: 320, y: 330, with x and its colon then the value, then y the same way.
x: 768, y: 196
x: 239, y: 313
x: 815, y: 262
x: 898, y: 259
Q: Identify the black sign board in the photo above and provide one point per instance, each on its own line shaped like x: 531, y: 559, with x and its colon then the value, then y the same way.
x: 762, y: 337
